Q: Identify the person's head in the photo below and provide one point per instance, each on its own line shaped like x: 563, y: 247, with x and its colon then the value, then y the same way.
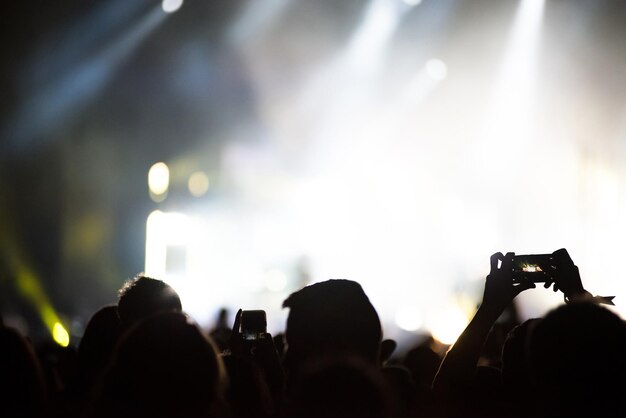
x: 97, y: 344
x: 142, y: 297
x: 331, y: 318
x: 423, y: 362
x: 164, y: 366
x: 22, y: 387
x: 515, y: 371
x: 577, y: 359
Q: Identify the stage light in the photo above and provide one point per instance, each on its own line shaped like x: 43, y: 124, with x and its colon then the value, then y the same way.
x: 60, y: 335
x: 436, y: 69
x: 158, y: 180
x: 409, y: 318
x: 163, y: 231
x: 30, y: 288
x: 170, y: 6
x: 198, y: 183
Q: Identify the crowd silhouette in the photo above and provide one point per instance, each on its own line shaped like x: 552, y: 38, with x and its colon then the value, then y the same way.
x: 144, y: 357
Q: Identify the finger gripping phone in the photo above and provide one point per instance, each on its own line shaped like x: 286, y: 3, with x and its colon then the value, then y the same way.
x: 253, y: 324
x: 537, y: 268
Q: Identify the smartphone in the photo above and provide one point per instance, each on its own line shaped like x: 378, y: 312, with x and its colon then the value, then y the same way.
x: 537, y: 268
x: 253, y: 324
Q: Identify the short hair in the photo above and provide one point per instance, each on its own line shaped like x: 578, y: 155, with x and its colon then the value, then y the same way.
x: 164, y: 366
x: 332, y: 317
x: 576, y: 354
x: 142, y: 297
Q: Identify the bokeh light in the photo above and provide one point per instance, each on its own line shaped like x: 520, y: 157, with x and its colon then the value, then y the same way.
x: 198, y: 184
x: 170, y: 6
x: 409, y: 318
x: 447, y: 324
x: 159, y: 179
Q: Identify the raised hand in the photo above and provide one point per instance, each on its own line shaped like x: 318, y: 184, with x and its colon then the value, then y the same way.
x: 500, y: 289
x: 566, y: 278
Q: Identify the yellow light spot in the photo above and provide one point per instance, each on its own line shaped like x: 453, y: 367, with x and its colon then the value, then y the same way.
x: 198, y: 183
x: 60, y: 335
x: 30, y: 288
x: 159, y: 179
x: 449, y: 325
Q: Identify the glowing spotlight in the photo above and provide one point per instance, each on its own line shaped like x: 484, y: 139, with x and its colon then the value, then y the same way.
x: 436, y: 69
x: 198, y: 184
x: 158, y: 180
x: 170, y: 6
x: 28, y: 285
x: 276, y: 280
x: 163, y: 231
x: 413, y: 2
x: 60, y: 335
x: 409, y: 318
x: 448, y: 325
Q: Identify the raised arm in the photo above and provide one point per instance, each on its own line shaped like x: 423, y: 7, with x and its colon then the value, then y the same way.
x: 458, y: 367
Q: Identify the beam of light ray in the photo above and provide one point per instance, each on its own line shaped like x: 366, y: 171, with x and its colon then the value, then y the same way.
x: 256, y: 17
x: 26, y: 281
x: 63, y: 50
x: 61, y: 100
x: 352, y: 77
x: 517, y: 73
x: 369, y: 41
x: 29, y: 287
x: 509, y: 116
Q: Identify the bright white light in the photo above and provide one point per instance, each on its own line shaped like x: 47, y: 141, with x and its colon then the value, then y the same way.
x: 163, y: 230
x: 170, y: 6
x: 159, y: 179
x: 448, y: 325
x: 436, y: 69
x: 413, y: 2
x: 371, y: 37
x: 409, y: 318
x: 276, y: 280
x: 198, y: 183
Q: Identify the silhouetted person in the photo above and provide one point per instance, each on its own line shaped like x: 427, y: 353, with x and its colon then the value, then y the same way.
x: 458, y: 378
x: 423, y: 362
x: 60, y: 370
x: 578, y: 356
x: 331, y: 318
x: 96, y: 347
x: 339, y: 389
x: 518, y: 386
x: 220, y: 333
x: 164, y: 367
x: 248, y: 394
x: 22, y: 389
x: 142, y: 297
